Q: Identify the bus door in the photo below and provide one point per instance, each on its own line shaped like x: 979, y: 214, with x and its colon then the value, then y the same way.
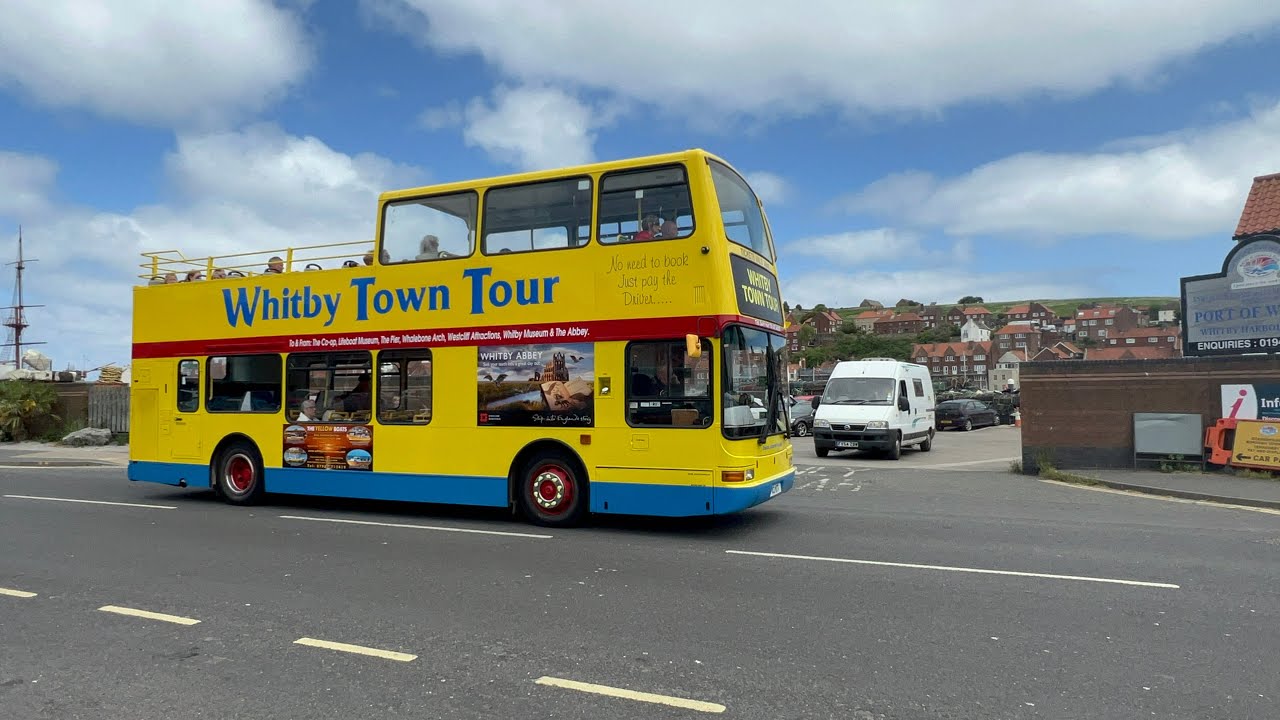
x: 183, y: 407
x: 669, y: 411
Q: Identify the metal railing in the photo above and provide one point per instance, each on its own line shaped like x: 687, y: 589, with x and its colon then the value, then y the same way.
x: 162, y: 264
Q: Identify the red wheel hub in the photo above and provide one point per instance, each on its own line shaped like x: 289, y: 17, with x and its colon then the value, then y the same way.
x: 551, y: 488
x: 240, y: 474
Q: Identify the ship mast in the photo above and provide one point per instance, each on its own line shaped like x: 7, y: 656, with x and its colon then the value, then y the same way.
x: 17, y: 322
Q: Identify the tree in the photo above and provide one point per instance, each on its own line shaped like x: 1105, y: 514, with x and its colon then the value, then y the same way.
x: 971, y: 300
x: 798, y: 309
x: 807, y: 333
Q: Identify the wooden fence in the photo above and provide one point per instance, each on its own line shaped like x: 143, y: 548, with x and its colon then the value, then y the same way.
x: 109, y: 407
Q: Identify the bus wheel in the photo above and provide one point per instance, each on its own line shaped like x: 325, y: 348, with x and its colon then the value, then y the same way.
x: 239, y: 474
x: 551, y: 491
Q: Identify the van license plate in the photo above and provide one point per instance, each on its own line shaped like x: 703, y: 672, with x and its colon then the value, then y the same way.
x: 846, y: 444
x: 775, y: 490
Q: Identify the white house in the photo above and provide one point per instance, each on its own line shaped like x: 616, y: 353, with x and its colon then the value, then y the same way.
x: 1165, y: 316
x: 1005, y: 372
x: 974, y: 331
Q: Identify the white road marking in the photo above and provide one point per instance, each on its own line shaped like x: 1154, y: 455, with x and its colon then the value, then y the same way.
x: 62, y: 467
x: 16, y: 593
x: 1166, y: 498
x: 850, y: 473
x: 917, y: 566
x: 133, y: 612
x: 93, y: 502
x: 991, y: 461
x: 357, y: 649
x: 685, y: 703
x: 822, y: 484
x: 417, y: 527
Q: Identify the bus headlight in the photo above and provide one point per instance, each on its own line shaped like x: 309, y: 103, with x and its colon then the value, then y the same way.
x: 878, y: 425
x: 822, y: 423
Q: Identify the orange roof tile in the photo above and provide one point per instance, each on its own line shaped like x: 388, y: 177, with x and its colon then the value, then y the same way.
x: 1137, y: 352
x: 1017, y: 327
x: 977, y: 311
x: 1262, y: 208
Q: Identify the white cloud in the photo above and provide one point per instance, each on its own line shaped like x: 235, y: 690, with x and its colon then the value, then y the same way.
x: 25, y: 181
x: 771, y: 188
x: 167, y: 63
x: 862, y: 248
x: 445, y: 116
x: 1181, y: 185
x: 534, y: 127
x: 779, y: 59
x: 252, y: 191
x: 836, y: 289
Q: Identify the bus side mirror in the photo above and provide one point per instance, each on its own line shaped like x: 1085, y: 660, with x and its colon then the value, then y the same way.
x: 692, y: 346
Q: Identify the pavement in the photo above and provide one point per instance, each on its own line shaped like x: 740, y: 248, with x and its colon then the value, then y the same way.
x: 37, y: 454
x: 905, y: 593
x: 1213, y: 487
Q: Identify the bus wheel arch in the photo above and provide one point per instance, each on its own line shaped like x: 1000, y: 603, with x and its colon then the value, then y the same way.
x: 236, y: 470
x: 549, y: 484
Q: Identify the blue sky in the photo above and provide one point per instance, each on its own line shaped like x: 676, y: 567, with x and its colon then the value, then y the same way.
x: 926, y: 150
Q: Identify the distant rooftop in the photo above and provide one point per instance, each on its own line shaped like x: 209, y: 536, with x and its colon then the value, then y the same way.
x: 1261, y: 212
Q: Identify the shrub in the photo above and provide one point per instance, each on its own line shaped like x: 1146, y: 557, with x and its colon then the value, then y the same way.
x: 25, y: 408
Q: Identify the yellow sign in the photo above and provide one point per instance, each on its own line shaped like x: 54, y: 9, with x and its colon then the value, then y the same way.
x: 1257, y: 444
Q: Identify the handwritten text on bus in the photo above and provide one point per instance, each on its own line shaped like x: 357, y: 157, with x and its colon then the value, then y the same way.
x: 249, y: 305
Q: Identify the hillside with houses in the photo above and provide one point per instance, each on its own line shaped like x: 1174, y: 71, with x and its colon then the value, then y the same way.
x: 980, y: 346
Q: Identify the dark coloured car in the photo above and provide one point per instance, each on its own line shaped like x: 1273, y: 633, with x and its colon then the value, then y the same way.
x: 801, y: 419
x: 965, y: 414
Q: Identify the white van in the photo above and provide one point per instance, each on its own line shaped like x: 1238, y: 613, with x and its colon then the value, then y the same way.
x: 875, y: 404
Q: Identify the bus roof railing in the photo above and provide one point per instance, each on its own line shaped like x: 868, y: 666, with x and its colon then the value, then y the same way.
x: 160, y: 263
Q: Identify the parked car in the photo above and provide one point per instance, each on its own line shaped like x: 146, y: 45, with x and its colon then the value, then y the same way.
x: 965, y: 414
x: 801, y: 419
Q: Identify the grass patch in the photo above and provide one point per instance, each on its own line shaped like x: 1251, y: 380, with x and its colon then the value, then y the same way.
x: 1049, y: 472
x: 1255, y: 474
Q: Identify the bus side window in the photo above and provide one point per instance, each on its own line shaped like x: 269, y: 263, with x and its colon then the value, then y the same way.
x: 188, y: 385
x: 404, y: 387
x: 433, y: 228
x: 244, y: 383
x: 547, y: 215
x: 666, y: 388
x: 650, y: 204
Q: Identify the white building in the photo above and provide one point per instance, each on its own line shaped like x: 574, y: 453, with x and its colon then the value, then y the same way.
x: 974, y: 331
x: 1005, y: 372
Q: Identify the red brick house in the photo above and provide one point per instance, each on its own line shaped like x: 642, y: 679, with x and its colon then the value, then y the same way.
x: 1100, y: 323
x: 826, y: 322
x: 1031, y: 312
x: 962, y: 361
x: 1164, y: 337
x: 1261, y: 214
x: 866, y: 320
x: 932, y: 315
x: 1130, y: 353
x: 904, y: 324
x: 792, y: 333
x: 1017, y: 336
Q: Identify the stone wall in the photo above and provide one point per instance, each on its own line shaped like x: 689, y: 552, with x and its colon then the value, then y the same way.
x: 1079, y: 414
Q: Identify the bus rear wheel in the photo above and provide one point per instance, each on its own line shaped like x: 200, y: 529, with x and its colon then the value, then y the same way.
x: 552, y: 491
x: 238, y: 473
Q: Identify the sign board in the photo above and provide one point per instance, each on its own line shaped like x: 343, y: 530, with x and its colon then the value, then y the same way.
x: 1251, y: 402
x: 757, y: 291
x: 328, y: 446
x: 1236, y: 311
x: 1257, y: 444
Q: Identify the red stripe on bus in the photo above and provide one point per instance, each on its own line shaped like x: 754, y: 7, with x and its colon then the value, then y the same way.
x: 588, y: 331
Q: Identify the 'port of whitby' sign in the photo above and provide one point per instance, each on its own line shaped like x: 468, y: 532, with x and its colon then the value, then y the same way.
x: 1236, y: 311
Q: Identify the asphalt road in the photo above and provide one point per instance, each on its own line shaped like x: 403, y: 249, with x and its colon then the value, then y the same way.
x: 1118, y: 606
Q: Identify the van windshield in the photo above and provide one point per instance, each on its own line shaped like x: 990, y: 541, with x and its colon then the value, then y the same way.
x: 858, y: 391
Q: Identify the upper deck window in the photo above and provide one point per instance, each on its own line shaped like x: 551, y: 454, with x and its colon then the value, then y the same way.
x: 743, y: 221
x: 431, y: 228
x: 546, y: 215
x: 651, y: 204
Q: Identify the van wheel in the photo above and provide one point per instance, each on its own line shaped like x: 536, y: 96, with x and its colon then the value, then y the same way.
x: 927, y: 444
x: 238, y: 473
x: 551, y: 491
x: 895, y: 451
x: 822, y: 452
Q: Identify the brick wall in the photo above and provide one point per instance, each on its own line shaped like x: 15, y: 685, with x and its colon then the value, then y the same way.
x: 1080, y: 414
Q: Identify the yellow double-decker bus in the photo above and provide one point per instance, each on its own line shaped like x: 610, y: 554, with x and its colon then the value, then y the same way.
x: 595, y: 339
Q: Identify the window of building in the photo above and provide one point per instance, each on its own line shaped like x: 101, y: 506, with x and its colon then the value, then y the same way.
x: 667, y: 389
x: 244, y: 383
x: 338, y: 384
x: 1111, y: 321
x: 979, y: 357
x: 1129, y: 341
x: 951, y: 358
x: 979, y: 368
x: 404, y: 387
x: 431, y: 228
x: 548, y: 215
x: 740, y: 211
x: 188, y: 385
x: 1153, y: 339
x: 1170, y: 339
x: 651, y: 204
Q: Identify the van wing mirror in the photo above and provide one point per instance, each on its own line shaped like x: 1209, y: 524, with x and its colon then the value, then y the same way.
x: 904, y: 404
x: 815, y: 401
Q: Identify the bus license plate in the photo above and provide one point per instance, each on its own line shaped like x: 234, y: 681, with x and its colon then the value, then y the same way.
x: 846, y: 444
x: 775, y: 490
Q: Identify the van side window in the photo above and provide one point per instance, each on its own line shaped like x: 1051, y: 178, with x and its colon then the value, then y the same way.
x: 919, y: 388
x: 902, y: 388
